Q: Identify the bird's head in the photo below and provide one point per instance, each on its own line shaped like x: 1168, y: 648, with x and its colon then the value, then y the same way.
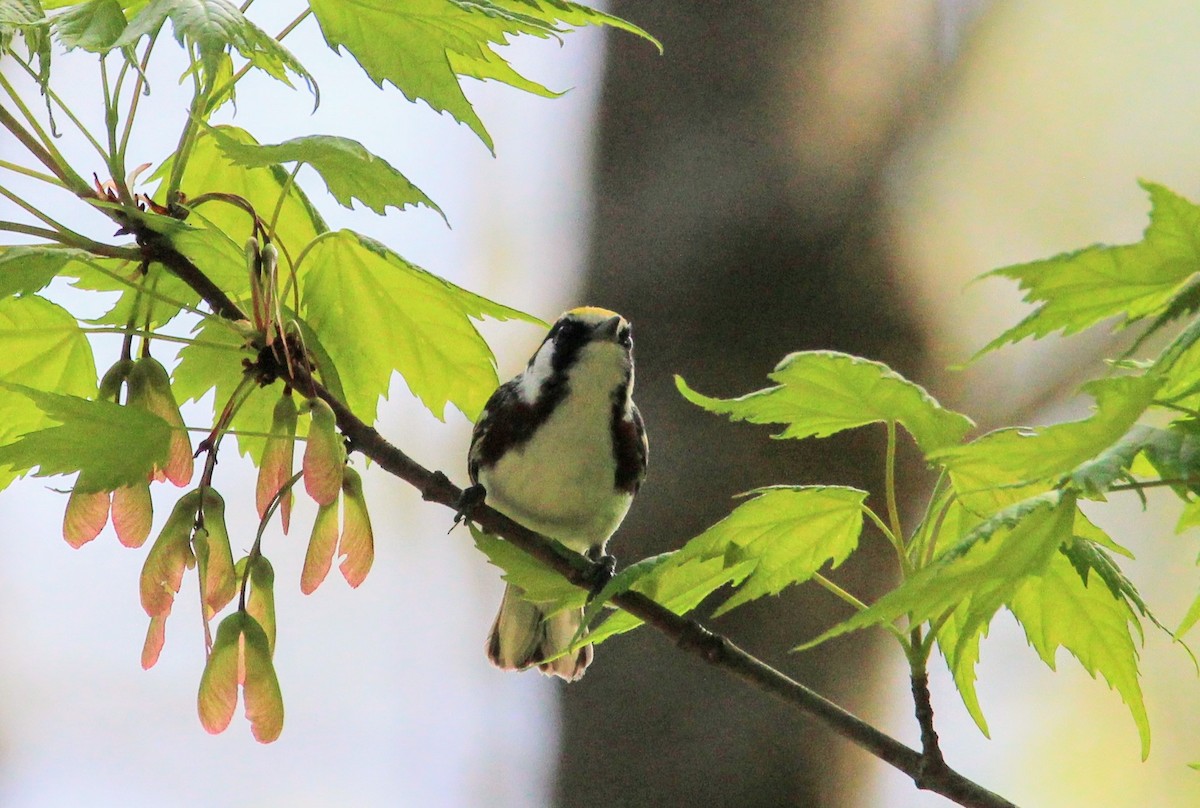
x: 584, y: 344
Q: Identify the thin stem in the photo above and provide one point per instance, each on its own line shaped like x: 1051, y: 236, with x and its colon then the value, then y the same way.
x: 859, y: 606
x: 159, y: 296
x: 236, y: 201
x: 841, y: 593
x: 256, y: 548
x: 29, y: 172
x: 115, y: 169
x: 890, y: 483
x: 1138, y: 486
x: 933, y: 506
x: 283, y: 192
x: 187, y: 138
x: 138, y: 87
x: 886, y: 531
x: 68, y: 239
x: 46, y: 141
x: 58, y: 227
x: 57, y: 166
x: 118, y: 330
x: 934, y: 530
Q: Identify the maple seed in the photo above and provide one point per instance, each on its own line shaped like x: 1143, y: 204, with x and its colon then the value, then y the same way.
x: 324, y: 454
x: 321, y: 547
x: 357, y: 544
x: 219, y: 581
x: 276, y: 467
x: 86, y: 515
x: 169, y: 556
x: 241, y: 656
x: 132, y: 513
x: 150, y: 388
x: 114, y: 377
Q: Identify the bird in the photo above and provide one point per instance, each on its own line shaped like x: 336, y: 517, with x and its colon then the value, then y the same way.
x: 561, y: 449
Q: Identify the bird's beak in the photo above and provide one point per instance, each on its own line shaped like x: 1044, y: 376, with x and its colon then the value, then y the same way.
x: 608, y: 329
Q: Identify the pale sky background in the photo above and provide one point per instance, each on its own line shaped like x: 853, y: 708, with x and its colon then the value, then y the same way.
x: 1035, y: 149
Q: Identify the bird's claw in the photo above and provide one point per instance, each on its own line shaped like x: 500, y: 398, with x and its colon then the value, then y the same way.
x: 470, y: 499
x: 602, y: 571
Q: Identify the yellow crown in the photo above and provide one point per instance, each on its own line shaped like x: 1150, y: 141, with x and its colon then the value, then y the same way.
x: 592, y: 313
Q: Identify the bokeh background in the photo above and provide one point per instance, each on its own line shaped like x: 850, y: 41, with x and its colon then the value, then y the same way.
x: 812, y: 174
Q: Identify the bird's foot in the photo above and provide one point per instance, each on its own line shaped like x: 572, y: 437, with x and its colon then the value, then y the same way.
x: 603, y: 568
x: 470, y: 499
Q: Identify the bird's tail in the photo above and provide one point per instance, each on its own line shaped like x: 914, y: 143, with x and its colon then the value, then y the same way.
x: 523, y: 635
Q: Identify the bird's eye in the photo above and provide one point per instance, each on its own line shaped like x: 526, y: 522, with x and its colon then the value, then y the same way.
x: 625, y: 337
x: 568, y: 332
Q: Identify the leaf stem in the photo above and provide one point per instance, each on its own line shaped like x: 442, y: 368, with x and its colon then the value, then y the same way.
x: 56, y: 226
x: 157, y: 295
x: 116, y: 170
x: 50, y: 158
x: 68, y: 239
x: 841, y: 593
x: 1138, y: 486
x: 138, y: 87
x: 244, y: 69
x: 29, y: 172
x: 187, y: 138
x: 256, y: 548
x: 890, y: 487
x: 869, y: 512
x: 283, y: 192
x: 118, y: 330
x: 859, y: 606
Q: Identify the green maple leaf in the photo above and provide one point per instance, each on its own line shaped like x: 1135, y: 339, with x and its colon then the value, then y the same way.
x: 27, y: 18
x: 1057, y: 609
x: 1081, y: 289
x: 214, y: 26
x: 214, y: 362
x: 27, y: 270
x: 112, y: 446
x: 977, y: 575
x: 821, y: 393
x: 93, y: 26
x: 419, y: 326
x: 679, y: 588
x: 1005, y: 466
x: 41, y: 346
x: 783, y: 535
x: 537, y: 582
x: 348, y: 169
x: 209, y: 170
x: 423, y: 46
x: 962, y: 655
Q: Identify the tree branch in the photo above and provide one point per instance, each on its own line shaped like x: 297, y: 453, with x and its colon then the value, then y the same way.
x: 687, y: 634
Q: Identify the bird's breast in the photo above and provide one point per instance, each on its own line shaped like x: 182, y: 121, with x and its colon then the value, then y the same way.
x: 561, y: 482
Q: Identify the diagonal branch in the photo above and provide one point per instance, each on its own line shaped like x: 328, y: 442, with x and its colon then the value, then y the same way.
x: 687, y: 634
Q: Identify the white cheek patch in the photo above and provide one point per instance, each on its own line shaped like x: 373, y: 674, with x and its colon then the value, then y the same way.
x: 537, y: 373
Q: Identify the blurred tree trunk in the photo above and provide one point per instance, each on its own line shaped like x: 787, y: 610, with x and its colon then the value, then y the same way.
x: 737, y: 220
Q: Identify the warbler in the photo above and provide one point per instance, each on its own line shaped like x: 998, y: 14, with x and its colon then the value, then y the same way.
x: 561, y: 449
